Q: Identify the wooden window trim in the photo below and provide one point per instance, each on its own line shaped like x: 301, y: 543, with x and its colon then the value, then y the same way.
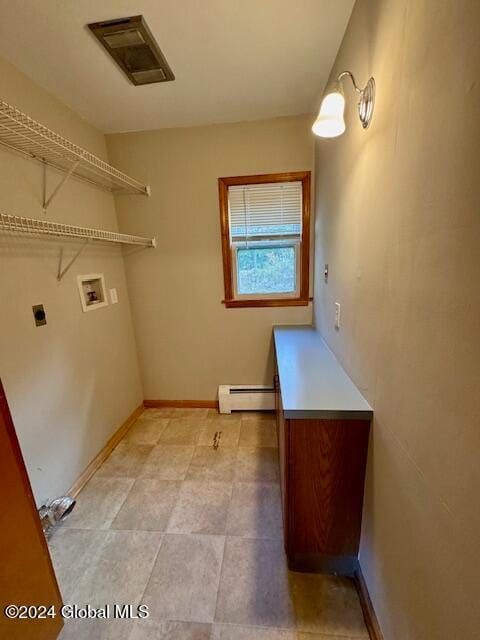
x: 303, y: 299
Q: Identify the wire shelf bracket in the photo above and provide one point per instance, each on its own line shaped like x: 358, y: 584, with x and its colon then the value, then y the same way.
x: 47, y: 201
x: 61, y: 272
x: 27, y: 136
x: 34, y: 227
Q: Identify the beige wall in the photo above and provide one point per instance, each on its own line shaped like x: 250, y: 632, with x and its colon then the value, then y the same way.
x: 398, y: 222
x: 188, y: 342
x: 71, y: 383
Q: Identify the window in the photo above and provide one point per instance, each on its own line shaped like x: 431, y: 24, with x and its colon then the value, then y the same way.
x: 265, y: 224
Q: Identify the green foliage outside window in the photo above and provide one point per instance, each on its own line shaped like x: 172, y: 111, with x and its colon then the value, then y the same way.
x: 266, y: 270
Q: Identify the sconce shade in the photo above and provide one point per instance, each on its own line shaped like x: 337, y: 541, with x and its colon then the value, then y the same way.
x: 330, y: 122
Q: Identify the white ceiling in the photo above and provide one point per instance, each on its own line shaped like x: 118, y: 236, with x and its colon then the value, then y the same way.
x: 233, y: 59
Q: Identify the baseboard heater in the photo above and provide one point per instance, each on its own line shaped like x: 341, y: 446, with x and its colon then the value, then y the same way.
x: 245, y: 398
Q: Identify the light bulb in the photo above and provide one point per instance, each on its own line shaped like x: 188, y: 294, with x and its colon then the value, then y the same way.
x: 330, y: 122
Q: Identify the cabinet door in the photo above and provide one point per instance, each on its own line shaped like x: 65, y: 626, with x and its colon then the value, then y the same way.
x: 276, y: 389
x: 327, y: 477
x: 282, y: 426
x: 26, y: 572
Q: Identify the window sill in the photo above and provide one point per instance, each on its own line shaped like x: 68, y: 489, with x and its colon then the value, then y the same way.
x: 267, y: 302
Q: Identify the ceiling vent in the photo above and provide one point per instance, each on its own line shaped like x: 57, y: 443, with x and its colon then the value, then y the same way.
x: 131, y: 44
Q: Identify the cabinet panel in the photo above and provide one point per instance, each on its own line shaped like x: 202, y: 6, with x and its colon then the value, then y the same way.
x: 282, y: 426
x: 27, y: 575
x: 327, y: 459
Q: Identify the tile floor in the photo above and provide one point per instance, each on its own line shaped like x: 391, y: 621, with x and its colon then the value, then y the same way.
x: 195, y: 533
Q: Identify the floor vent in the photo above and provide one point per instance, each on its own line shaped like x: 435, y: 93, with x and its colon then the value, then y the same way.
x: 245, y: 398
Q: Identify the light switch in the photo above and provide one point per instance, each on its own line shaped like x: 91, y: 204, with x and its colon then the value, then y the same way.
x: 337, y: 315
x: 113, y: 296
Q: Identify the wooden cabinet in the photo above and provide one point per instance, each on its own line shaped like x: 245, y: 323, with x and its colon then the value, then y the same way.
x: 322, y: 466
x: 26, y: 576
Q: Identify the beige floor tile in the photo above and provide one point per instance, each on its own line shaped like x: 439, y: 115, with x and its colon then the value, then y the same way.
x: 201, y: 507
x: 257, y: 464
x: 146, y: 431
x: 72, y: 552
x: 126, y: 460
x: 148, y: 505
x: 184, y: 581
x: 228, y: 432
x: 158, y: 413
x: 170, y: 630
x: 255, y: 511
x: 235, y: 632
x: 327, y: 604
x: 96, y: 630
x: 212, y: 464
x: 258, y: 416
x: 184, y: 431
x: 98, y: 503
x: 120, y: 570
x: 194, y: 413
x: 215, y: 414
x: 258, y: 434
x: 167, y: 462
x: 254, y: 586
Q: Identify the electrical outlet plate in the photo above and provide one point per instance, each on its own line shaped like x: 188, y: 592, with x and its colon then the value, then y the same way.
x: 113, y: 296
x: 337, y: 315
x: 39, y: 315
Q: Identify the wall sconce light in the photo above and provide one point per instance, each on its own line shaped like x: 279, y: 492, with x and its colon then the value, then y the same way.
x: 330, y: 122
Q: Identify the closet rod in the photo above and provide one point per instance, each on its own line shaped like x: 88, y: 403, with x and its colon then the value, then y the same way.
x: 19, y: 224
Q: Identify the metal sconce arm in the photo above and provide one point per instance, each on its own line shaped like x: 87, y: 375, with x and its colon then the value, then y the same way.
x: 350, y: 75
x: 367, y: 97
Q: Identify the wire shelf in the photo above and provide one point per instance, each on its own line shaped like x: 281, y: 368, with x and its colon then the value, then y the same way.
x: 22, y: 133
x: 19, y: 224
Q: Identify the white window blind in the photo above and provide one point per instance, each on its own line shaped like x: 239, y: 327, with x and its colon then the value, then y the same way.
x: 265, y: 211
